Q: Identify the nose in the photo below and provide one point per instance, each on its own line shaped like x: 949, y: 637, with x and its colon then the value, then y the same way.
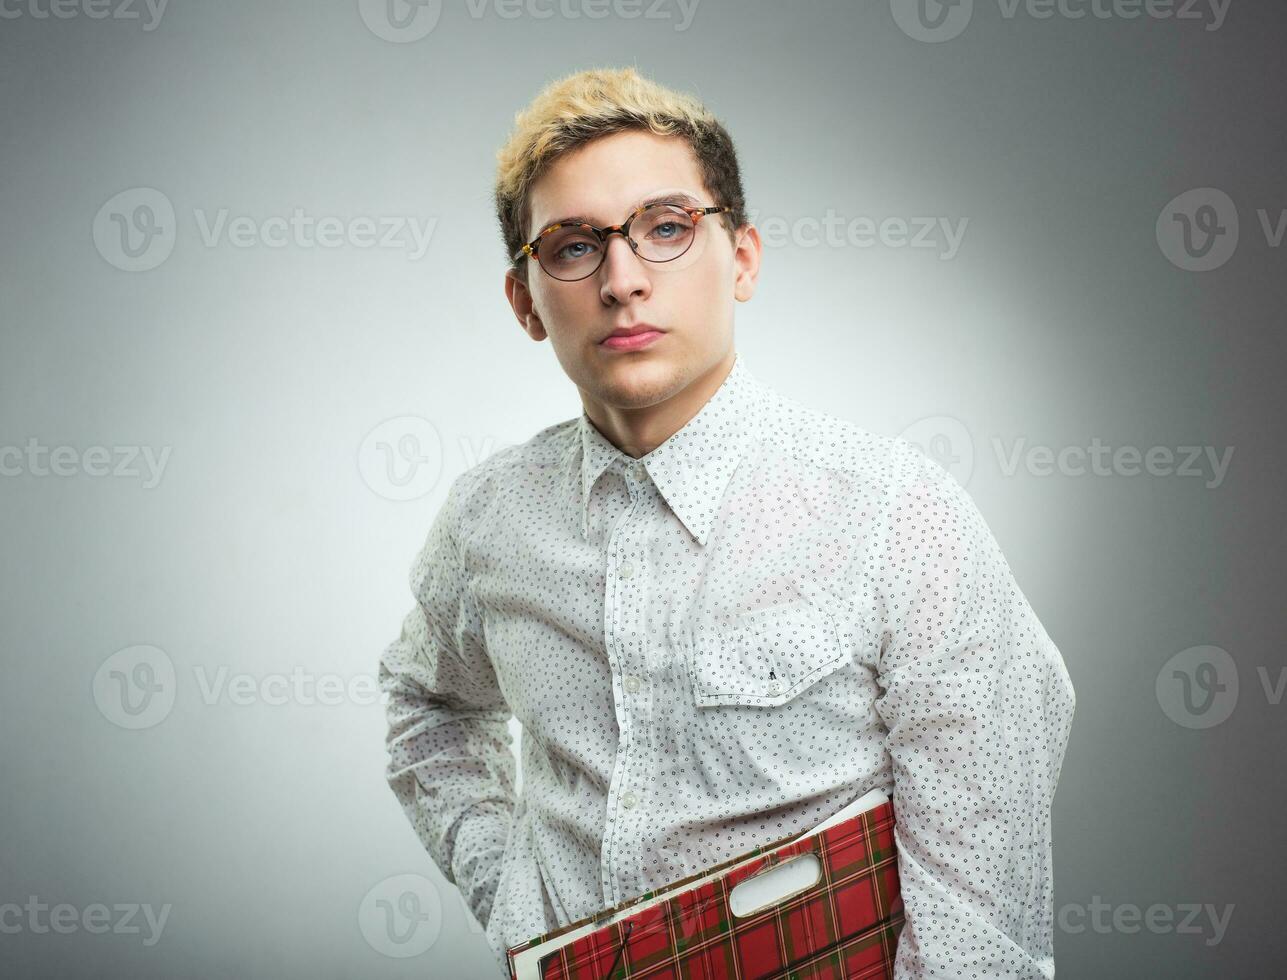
x: 624, y: 275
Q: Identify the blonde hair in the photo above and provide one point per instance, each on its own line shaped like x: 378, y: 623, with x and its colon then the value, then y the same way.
x: 581, y: 107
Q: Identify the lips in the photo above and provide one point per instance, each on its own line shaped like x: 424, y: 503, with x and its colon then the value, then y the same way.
x: 634, y: 330
x: 635, y: 340
x: 633, y: 337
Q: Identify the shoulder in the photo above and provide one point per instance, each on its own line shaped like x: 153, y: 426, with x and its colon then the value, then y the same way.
x: 519, y: 469
x: 883, y: 464
x: 881, y: 481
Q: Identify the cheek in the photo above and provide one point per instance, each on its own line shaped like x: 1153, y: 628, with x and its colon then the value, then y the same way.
x: 558, y: 308
x: 720, y: 274
x: 710, y: 291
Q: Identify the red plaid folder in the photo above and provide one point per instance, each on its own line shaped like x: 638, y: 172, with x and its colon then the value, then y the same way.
x: 845, y: 926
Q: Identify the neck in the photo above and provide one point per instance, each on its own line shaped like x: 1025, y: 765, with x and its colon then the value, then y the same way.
x: 638, y: 431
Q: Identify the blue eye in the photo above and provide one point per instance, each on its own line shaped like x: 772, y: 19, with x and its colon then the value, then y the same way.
x: 564, y: 254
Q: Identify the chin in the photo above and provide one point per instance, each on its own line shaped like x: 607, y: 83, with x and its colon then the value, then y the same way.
x: 637, y: 382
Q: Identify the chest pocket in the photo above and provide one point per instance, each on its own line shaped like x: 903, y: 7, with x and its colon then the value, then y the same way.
x: 766, y: 657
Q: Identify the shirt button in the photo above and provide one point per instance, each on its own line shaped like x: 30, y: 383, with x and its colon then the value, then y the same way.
x: 639, y: 471
x: 629, y: 800
x: 625, y: 569
x: 632, y: 683
x: 774, y: 687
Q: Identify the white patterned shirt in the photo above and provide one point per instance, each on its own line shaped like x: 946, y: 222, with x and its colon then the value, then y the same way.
x: 714, y: 646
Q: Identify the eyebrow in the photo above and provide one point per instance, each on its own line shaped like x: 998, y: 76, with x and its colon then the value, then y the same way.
x: 679, y: 197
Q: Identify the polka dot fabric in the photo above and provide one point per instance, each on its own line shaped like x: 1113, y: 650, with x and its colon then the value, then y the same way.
x: 714, y: 646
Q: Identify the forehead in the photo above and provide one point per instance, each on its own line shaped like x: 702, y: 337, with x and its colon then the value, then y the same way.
x: 604, y: 178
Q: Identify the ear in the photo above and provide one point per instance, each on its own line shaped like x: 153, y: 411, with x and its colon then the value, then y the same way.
x: 746, y: 262
x: 520, y: 300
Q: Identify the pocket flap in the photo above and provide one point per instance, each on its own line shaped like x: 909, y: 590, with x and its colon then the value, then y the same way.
x: 766, y: 657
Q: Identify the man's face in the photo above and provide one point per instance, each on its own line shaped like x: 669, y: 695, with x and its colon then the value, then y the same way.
x: 689, y: 300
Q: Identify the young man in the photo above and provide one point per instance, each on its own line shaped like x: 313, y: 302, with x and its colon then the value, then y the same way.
x: 718, y: 614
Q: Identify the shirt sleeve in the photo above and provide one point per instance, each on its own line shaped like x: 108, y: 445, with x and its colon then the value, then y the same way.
x: 977, y: 706
x: 450, y: 762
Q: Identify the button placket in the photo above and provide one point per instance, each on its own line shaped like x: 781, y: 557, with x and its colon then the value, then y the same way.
x: 626, y: 605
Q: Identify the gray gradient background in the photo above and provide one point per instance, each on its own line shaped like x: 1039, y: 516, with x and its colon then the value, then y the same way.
x: 265, y: 370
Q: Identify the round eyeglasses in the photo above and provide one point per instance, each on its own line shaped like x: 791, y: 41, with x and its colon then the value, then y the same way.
x: 662, y: 232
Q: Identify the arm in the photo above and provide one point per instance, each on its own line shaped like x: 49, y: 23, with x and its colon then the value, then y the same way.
x: 978, y: 706
x: 450, y: 764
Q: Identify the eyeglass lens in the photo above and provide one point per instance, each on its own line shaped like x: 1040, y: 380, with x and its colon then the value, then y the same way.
x: 662, y: 232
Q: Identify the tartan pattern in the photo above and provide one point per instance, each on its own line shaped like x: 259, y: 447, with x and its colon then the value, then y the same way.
x: 844, y: 927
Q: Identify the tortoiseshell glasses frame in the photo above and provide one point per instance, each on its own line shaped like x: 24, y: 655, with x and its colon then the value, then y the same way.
x: 532, y: 248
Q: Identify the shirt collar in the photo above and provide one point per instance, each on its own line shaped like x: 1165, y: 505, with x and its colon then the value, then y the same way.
x: 691, y: 468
